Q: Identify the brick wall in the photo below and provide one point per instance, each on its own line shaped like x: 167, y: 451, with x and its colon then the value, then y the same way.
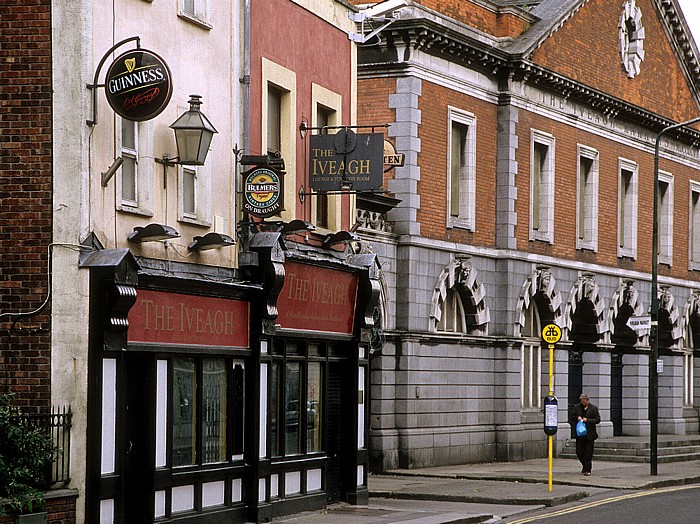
x: 25, y: 195
x: 60, y: 508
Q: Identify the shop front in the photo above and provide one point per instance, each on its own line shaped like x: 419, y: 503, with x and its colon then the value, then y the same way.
x: 313, y: 387
x: 211, y: 397
x: 167, y: 400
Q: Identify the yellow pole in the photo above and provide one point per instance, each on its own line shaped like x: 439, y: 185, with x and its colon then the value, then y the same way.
x: 551, y: 394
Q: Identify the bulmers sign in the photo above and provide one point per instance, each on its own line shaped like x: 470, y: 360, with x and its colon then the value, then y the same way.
x: 138, y: 85
x: 263, y: 192
x: 346, y: 160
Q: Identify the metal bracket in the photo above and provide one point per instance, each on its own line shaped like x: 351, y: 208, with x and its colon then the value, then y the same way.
x: 93, y: 87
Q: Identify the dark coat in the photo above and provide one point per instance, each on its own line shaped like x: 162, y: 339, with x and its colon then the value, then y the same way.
x: 593, y: 417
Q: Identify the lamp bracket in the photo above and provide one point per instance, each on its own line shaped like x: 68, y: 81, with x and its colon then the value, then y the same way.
x: 167, y: 162
x: 93, y: 87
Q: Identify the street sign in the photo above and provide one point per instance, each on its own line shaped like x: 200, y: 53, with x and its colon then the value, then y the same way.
x: 639, y: 323
x: 551, y: 333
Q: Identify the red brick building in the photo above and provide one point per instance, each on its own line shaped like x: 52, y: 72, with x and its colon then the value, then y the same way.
x: 527, y: 199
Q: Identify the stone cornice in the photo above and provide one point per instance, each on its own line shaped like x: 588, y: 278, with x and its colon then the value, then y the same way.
x: 449, y: 43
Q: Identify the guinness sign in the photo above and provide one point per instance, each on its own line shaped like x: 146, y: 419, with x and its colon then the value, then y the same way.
x: 138, y: 85
x: 263, y: 192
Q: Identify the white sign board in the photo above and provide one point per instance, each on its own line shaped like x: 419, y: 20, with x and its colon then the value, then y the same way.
x: 639, y: 323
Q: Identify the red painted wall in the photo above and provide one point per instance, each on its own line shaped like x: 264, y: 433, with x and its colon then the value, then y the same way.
x: 316, y: 51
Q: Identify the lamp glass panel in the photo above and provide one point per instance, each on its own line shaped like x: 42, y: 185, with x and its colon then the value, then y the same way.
x: 188, y: 144
x: 205, y: 142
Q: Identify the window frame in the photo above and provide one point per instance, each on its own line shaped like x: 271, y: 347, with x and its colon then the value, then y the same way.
x: 694, y: 227
x: 627, y: 200
x: 665, y: 255
x: 466, y: 217
x: 322, y: 97
x: 144, y: 173
x: 285, y: 80
x: 200, y: 14
x: 542, y: 178
x: 587, y: 199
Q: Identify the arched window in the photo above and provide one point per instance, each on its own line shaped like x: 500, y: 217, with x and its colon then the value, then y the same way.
x: 531, y: 359
x: 458, y: 301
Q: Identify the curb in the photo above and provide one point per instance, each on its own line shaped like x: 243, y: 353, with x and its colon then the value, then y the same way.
x: 513, y: 501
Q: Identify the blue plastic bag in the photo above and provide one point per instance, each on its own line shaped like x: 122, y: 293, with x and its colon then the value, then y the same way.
x: 581, y: 428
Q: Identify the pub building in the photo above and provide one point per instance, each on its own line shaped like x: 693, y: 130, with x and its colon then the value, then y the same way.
x: 228, y: 393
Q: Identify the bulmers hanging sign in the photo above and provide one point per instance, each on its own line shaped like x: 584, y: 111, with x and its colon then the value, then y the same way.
x: 263, y: 192
x: 138, y: 85
x: 346, y: 160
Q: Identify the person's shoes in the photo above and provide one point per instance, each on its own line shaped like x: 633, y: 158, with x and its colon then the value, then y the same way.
x: 587, y: 473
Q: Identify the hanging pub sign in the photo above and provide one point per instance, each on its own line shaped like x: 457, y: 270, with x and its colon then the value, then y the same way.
x: 138, y: 85
x: 346, y: 160
x: 263, y: 192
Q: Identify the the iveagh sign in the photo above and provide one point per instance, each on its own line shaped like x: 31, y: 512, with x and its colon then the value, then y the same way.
x: 346, y: 160
x: 138, y: 85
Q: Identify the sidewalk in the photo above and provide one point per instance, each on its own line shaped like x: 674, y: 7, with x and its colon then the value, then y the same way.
x: 490, y: 492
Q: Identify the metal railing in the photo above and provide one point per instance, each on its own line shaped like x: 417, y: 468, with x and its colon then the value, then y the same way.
x: 57, y: 424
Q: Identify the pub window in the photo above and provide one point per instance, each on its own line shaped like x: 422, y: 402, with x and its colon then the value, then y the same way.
x: 189, y: 191
x: 627, y: 209
x: 542, y: 186
x: 461, y: 178
x: 296, y: 403
x: 199, y: 411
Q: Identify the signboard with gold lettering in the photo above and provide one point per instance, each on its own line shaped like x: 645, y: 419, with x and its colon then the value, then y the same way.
x: 317, y: 299
x: 346, y: 160
x: 171, y: 318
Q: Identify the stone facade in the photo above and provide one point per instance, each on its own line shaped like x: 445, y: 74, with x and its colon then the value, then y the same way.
x: 549, y: 107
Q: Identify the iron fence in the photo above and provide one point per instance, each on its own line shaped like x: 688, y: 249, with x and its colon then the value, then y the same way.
x: 57, y: 424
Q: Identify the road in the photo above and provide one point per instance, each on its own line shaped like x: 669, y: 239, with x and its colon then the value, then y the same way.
x: 676, y: 505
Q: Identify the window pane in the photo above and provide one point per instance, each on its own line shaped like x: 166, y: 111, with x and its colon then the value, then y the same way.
x: 274, y: 408
x: 188, y: 191
x: 314, y: 410
x: 214, y: 407
x: 128, y: 134
x: 458, y: 153
x: 188, y: 6
x: 184, y: 412
x: 274, y: 115
x: 292, y: 416
x: 129, y: 178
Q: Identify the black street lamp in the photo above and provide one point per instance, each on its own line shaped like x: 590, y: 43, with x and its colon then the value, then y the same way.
x: 654, y: 335
x: 193, y: 134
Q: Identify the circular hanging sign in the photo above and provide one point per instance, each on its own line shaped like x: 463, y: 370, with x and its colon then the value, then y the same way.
x: 262, y: 192
x: 138, y: 85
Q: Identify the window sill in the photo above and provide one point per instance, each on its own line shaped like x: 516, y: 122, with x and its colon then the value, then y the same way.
x: 456, y: 223
x: 536, y: 236
x: 195, y: 21
x: 134, y: 211
x: 194, y: 221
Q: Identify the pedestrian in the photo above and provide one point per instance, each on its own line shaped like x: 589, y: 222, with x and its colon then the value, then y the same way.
x: 589, y: 414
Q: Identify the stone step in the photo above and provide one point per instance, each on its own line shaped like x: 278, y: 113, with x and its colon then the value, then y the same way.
x: 614, y: 450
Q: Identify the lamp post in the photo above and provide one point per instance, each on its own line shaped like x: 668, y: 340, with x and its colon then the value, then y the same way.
x: 654, y: 335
